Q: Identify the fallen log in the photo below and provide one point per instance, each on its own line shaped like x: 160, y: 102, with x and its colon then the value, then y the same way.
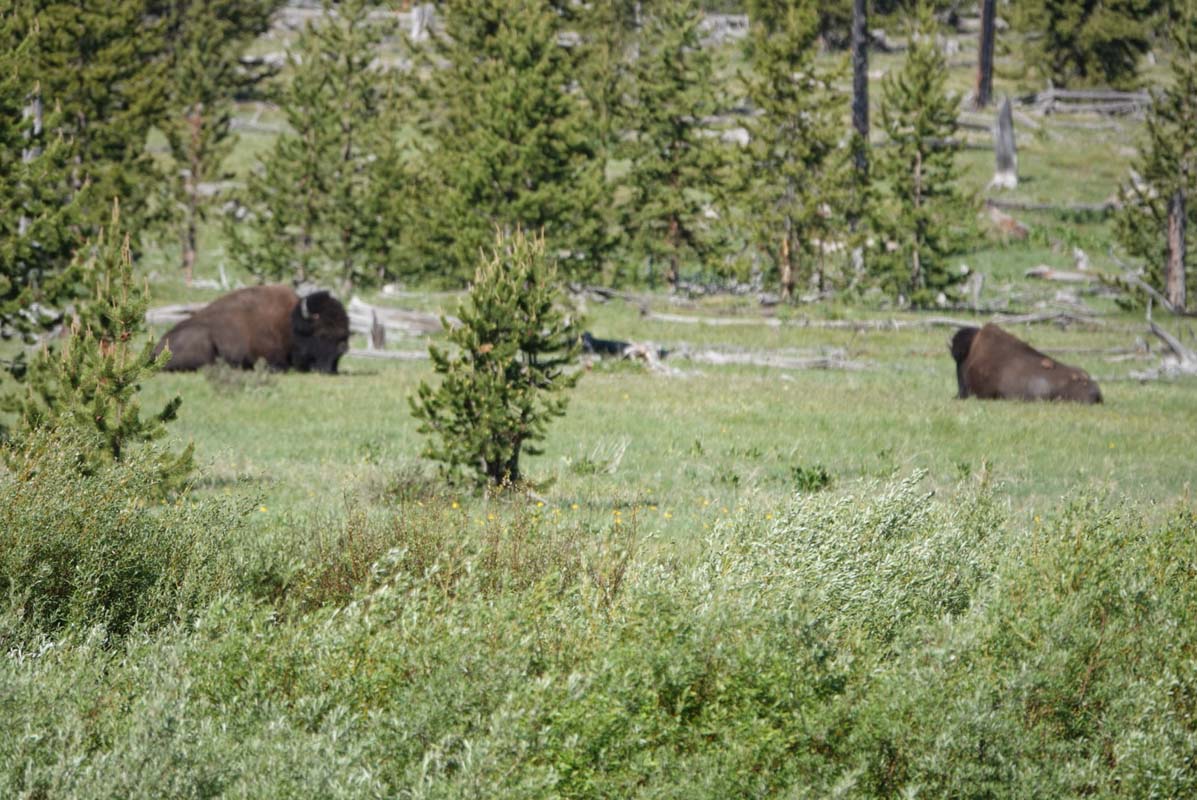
x: 1046, y: 273
x: 1072, y: 208
x: 390, y: 355
x: 833, y: 360
x: 1061, y: 318
x: 1181, y: 361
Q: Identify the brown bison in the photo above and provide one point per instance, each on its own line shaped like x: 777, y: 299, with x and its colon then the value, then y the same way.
x: 991, y: 363
x: 271, y: 323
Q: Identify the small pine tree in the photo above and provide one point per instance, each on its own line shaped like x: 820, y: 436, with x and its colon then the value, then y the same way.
x: 94, y: 378
x: 103, y: 62
x: 507, y: 139
x: 206, y: 39
x: 923, y: 221
x: 508, y: 376
x: 792, y: 170
x: 1167, y: 166
x: 39, y: 209
x: 675, y: 167
x: 1086, y: 42
x: 310, y: 198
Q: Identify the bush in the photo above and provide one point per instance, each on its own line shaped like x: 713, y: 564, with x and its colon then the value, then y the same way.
x: 88, y: 549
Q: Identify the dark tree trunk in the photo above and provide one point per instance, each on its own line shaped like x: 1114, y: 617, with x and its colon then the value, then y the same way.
x: 984, y: 88
x: 860, y: 79
x: 1174, y: 279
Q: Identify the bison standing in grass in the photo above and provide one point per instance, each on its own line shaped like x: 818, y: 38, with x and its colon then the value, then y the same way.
x: 268, y: 323
x: 992, y: 364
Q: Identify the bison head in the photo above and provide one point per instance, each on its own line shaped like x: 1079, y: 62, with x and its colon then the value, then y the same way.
x: 319, y: 333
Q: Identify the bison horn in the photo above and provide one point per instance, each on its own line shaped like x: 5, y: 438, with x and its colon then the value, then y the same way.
x: 303, y: 308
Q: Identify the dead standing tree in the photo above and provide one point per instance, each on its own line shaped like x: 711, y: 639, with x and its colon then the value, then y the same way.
x: 984, y: 88
x: 1005, y: 173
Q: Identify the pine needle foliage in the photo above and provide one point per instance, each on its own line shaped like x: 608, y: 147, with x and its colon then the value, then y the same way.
x: 507, y: 139
x: 923, y: 222
x: 94, y: 378
x: 792, y: 172
x: 103, y: 62
x: 1167, y: 164
x: 676, y: 169
x: 508, y: 376
x: 1086, y: 42
x: 309, y: 200
x: 39, y: 209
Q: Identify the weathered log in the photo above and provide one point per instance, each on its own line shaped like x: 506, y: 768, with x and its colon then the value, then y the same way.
x: 1046, y: 273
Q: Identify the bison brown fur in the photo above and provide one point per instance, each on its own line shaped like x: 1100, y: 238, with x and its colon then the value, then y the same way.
x: 268, y: 323
x: 992, y: 364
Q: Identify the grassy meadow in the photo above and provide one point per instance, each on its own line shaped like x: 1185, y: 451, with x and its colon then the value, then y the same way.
x: 726, y: 581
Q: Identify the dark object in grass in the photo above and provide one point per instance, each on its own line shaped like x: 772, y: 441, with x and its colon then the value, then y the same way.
x: 268, y: 323
x: 614, y: 348
x: 606, y: 348
x: 992, y: 364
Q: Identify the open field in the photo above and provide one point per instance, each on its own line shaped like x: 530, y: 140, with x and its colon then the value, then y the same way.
x: 689, y: 448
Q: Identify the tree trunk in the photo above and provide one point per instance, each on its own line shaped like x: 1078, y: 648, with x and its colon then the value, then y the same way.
x: 860, y: 79
x: 671, y: 276
x: 786, y: 271
x: 34, y: 110
x: 1005, y: 173
x: 984, y: 88
x: 1174, y: 279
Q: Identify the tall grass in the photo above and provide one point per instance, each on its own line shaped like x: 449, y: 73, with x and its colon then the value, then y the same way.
x: 880, y: 643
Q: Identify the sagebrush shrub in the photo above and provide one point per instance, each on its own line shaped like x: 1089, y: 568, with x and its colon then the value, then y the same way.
x: 94, y: 548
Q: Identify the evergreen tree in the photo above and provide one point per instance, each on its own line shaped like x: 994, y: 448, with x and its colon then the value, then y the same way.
x: 676, y: 166
x: 506, y: 380
x: 1167, y: 166
x: 102, y: 61
x: 309, y: 201
x: 508, y: 139
x: 206, y: 39
x: 39, y: 209
x: 94, y: 377
x: 922, y: 222
x: 1086, y: 42
x: 792, y: 170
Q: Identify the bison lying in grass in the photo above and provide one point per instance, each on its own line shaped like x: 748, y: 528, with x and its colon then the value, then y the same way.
x: 992, y: 364
x: 268, y: 323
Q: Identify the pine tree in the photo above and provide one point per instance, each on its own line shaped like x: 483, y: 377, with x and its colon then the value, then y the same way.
x: 507, y: 378
x: 508, y: 139
x: 675, y: 165
x: 1086, y: 42
x: 923, y: 222
x: 792, y: 169
x: 94, y: 378
x: 39, y: 209
x: 102, y: 62
x: 1167, y: 166
x: 310, y: 198
x: 206, y: 39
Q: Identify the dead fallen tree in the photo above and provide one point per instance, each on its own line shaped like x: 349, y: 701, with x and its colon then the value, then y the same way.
x: 397, y: 321
x: 1067, y: 208
x: 1046, y: 273
x: 1061, y: 318
x: 834, y: 359
x: 1180, y: 360
x: 1090, y: 101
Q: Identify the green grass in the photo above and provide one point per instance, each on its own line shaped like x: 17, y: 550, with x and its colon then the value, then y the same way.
x: 712, y: 441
